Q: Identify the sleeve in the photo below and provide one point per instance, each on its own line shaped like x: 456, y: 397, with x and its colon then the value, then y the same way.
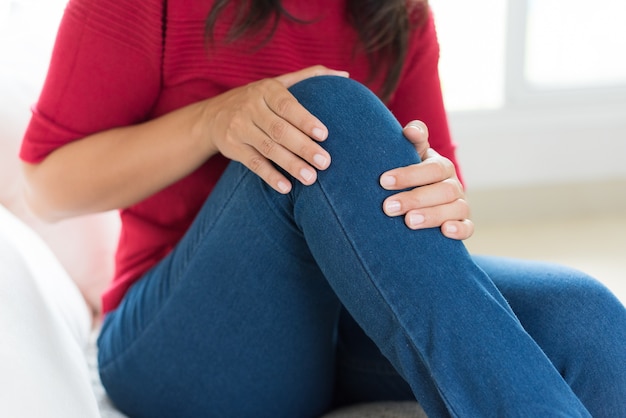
x: 105, y: 72
x: 419, y: 96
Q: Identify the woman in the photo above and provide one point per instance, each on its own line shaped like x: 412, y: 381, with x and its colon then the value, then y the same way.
x: 324, y: 207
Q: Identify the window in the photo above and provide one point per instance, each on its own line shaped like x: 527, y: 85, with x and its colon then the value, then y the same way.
x: 472, y: 38
x: 497, y: 53
x: 575, y: 44
x: 532, y: 86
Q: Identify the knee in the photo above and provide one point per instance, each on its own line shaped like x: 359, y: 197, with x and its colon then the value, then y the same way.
x: 343, y: 103
x: 586, y: 322
x: 329, y: 89
x: 562, y: 308
x: 359, y: 124
x: 584, y: 303
x: 590, y: 301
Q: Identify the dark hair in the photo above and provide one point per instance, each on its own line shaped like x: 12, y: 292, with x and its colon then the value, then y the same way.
x: 383, y: 27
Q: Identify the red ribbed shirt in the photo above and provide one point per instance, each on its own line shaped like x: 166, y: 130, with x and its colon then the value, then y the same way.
x: 121, y: 62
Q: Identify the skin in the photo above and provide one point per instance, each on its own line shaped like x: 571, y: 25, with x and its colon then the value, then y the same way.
x: 255, y: 124
x: 437, y: 197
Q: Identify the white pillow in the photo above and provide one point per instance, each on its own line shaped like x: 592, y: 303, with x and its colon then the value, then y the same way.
x: 45, y: 325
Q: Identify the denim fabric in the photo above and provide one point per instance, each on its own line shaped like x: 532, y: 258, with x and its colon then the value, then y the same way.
x: 576, y: 321
x: 241, y: 319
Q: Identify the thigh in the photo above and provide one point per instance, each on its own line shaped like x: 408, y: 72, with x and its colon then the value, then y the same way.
x: 237, y: 320
x: 578, y: 323
x: 558, y: 306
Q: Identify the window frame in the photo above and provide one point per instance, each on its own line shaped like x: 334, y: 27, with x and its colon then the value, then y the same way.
x: 519, y: 92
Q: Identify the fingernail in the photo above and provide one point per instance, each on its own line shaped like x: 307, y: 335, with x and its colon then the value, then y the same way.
x: 319, y: 134
x: 283, y: 186
x: 416, y: 219
x: 388, y: 181
x: 418, y: 127
x: 307, y: 174
x: 451, y: 229
x: 320, y: 161
x: 392, y: 206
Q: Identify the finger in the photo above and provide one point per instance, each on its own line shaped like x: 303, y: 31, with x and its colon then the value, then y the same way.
x: 290, y: 79
x: 263, y: 168
x: 278, y: 150
x: 284, y: 105
x: 284, y: 140
x: 442, y: 193
x: 436, y: 216
x: 417, y: 133
x: 459, y: 230
x: 433, y: 169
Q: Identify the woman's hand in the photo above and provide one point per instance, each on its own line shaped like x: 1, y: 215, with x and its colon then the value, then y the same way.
x: 436, y: 198
x: 262, y: 122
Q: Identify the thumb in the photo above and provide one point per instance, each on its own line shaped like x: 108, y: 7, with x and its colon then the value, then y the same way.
x: 417, y: 133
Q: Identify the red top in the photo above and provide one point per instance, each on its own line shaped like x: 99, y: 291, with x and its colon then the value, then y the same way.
x: 121, y: 62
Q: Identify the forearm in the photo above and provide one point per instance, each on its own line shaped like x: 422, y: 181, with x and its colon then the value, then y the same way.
x: 119, y: 167
x: 257, y: 124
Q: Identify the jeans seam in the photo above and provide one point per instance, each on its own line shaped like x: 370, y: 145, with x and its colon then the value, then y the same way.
x: 382, y: 295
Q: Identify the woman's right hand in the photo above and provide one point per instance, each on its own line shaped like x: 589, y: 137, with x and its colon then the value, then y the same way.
x: 262, y: 123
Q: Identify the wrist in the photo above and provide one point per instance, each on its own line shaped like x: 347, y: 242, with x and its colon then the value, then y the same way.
x: 201, y: 138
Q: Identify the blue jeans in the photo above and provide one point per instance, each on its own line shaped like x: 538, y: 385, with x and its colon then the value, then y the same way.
x: 242, y: 319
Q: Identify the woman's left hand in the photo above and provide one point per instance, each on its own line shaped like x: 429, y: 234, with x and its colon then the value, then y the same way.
x: 436, y: 197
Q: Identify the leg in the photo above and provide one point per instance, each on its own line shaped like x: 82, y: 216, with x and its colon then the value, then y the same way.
x: 579, y: 324
x: 236, y: 322
x: 363, y: 373
x: 244, y: 294
x: 419, y: 296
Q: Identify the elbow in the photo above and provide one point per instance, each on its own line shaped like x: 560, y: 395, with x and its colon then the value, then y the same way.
x: 37, y: 197
x: 39, y: 209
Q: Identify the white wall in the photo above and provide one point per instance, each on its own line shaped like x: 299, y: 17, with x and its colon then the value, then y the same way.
x: 542, y: 145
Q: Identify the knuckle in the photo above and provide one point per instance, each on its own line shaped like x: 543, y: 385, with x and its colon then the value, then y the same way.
x: 441, y: 168
x: 451, y: 190
x: 467, y: 212
x: 255, y: 164
x: 263, y: 83
x: 278, y: 129
x: 284, y: 105
x: 232, y: 130
x: 316, y: 70
x: 267, y: 146
x: 434, y: 169
x: 445, y: 166
x: 254, y: 89
x: 416, y: 199
x: 262, y: 88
